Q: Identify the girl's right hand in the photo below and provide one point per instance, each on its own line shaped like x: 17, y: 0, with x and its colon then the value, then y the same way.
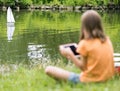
x: 66, y: 52
x: 62, y: 51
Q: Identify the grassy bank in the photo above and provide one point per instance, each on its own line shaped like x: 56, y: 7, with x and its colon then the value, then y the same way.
x: 24, y: 79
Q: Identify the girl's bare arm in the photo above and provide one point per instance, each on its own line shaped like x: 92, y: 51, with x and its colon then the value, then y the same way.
x: 80, y: 63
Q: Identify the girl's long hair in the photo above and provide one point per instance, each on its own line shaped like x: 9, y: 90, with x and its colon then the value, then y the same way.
x: 91, y: 23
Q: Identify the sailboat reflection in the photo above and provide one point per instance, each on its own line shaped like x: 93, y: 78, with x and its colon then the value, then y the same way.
x: 10, y: 24
x: 10, y: 31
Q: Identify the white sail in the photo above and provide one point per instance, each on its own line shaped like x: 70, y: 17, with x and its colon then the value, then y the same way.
x: 10, y: 17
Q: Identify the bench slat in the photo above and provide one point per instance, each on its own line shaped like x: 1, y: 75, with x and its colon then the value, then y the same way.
x: 116, y: 59
x: 116, y: 54
x: 116, y: 64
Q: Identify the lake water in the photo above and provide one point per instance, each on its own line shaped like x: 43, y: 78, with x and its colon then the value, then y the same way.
x: 38, y: 34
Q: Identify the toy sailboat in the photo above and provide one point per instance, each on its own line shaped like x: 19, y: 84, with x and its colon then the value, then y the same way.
x: 10, y: 17
x: 10, y: 24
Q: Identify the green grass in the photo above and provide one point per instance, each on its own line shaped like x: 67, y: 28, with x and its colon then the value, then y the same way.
x: 34, y: 79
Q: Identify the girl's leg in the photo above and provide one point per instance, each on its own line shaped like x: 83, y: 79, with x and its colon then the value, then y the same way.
x: 57, y: 72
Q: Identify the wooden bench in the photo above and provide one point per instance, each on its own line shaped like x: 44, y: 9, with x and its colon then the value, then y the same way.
x: 116, y: 59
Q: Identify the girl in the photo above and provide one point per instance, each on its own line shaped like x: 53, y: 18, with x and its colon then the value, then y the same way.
x: 96, y: 53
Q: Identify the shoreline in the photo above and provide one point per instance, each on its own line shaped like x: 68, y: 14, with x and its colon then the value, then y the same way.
x: 61, y: 7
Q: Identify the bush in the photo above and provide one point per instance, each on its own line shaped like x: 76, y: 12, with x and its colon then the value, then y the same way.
x: 37, y: 2
x: 7, y: 2
x: 116, y: 1
x: 55, y: 2
x: 25, y: 2
x: 59, y: 2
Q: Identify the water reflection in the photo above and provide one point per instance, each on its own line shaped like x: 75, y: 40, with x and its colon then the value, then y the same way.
x: 36, y: 52
x: 10, y: 31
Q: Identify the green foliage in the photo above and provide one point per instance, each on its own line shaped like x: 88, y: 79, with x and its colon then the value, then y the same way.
x: 37, y: 2
x: 76, y: 2
x: 60, y: 2
x: 8, y: 2
x: 116, y: 1
x: 94, y: 2
x: 25, y: 2
x: 106, y: 2
x: 69, y: 2
x: 55, y: 2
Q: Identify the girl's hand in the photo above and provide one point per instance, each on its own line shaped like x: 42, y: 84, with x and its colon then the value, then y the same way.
x: 67, y: 52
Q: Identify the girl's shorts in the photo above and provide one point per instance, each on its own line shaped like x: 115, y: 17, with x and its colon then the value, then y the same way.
x: 74, y: 78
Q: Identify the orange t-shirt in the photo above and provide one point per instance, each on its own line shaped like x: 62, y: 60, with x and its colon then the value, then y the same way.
x: 100, y: 64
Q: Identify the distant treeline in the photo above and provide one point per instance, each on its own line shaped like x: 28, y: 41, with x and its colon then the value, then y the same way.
x: 57, y: 2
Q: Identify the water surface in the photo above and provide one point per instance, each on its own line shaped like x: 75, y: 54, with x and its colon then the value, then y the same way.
x: 38, y: 34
